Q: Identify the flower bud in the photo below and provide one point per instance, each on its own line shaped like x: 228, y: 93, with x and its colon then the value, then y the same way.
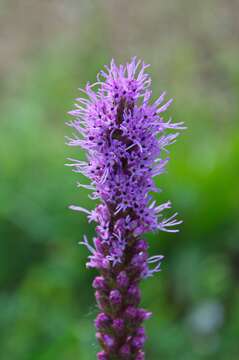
x: 125, y: 352
x: 99, y: 283
x: 101, y: 300
x: 133, y: 295
x: 102, y: 322
x: 138, y: 341
x: 143, y: 315
x: 141, y: 245
x: 122, y: 280
x: 108, y: 341
x: 131, y: 313
x: 102, y: 356
x: 118, y: 325
x: 140, y: 356
x: 138, y: 260
x: 115, y: 298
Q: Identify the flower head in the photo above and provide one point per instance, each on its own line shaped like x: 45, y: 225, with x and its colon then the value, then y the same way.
x: 125, y: 137
x: 126, y: 140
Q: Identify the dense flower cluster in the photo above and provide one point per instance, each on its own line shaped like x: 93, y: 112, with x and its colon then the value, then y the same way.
x: 118, y: 127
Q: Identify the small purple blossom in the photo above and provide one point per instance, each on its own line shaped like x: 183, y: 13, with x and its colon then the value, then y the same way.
x: 118, y: 326
x: 125, y: 137
x: 102, y: 321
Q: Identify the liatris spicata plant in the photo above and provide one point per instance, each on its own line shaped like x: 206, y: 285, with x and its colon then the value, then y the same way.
x: 118, y: 127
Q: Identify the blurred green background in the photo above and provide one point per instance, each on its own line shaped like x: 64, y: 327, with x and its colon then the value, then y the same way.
x: 48, y: 50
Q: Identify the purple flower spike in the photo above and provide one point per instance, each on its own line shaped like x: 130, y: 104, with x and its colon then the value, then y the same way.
x: 125, y: 137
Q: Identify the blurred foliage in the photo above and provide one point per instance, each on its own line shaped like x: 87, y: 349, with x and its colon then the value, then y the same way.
x: 46, y: 301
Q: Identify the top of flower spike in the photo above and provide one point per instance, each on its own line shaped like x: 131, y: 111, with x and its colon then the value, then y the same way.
x: 118, y: 127
x: 124, y: 81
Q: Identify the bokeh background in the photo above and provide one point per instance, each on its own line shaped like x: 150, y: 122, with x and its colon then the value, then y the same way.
x: 50, y: 48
